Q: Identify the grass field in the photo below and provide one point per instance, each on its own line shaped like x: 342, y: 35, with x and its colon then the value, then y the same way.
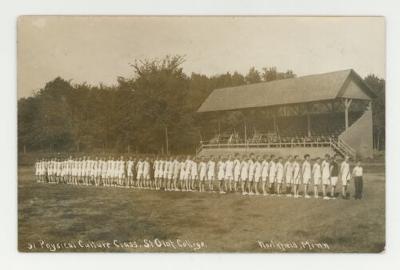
x: 68, y: 218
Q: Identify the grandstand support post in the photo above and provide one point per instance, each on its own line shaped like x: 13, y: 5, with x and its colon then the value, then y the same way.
x: 308, y: 125
x: 369, y: 106
x: 347, y: 103
x: 245, y: 134
x: 166, y: 141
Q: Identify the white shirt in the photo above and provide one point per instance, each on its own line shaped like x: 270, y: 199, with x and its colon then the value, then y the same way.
x: 229, y: 167
x: 161, y: 166
x: 211, y: 167
x: 182, y: 168
x: 358, y: 171
x: 316, y: 171
x: 279, y: 170
x: 251, y: 167
x: 265, y: 168
x: 156, y: 165
x: 272, y: 169
x: 202, y: 168
x: 257, y: 168
x: 236, y: 166
x: 288, y: 169
x: 194, y: 168
x: 345, y: 170
x: 245, y: 168
x: 140, y: 166
x: 296, y: 170
x: 221, y: 167
x: 325, y: 169
x: 188, y: 165
x: 166, y: 166
x: 171, y: 165
x: 146, y: 167
x: 306, y: 169
x: 176, y: 167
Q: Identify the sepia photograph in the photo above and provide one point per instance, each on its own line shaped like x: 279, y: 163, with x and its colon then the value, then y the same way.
x: 201, y: 134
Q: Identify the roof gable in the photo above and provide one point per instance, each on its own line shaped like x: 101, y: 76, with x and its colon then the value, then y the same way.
x: 354, y: 91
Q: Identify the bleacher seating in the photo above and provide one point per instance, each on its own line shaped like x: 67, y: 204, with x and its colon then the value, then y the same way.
x: 293, y: 129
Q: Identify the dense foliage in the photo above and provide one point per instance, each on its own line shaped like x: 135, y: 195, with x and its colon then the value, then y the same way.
x: 140, y: 113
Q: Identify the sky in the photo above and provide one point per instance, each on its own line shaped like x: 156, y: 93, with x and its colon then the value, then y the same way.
x: 98, y: 49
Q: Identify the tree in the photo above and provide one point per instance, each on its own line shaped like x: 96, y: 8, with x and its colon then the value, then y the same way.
x: 51, y: 127
x: 271, y: 74
x: 160, y: 90
x: 378, y: 110
x: 253, y: 76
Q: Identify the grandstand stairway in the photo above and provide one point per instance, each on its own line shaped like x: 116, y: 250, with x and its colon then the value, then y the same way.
x: 340, y: 147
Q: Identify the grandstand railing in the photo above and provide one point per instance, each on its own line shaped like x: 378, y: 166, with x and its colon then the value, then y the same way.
x: 343, y: 148
x: 337, y: 144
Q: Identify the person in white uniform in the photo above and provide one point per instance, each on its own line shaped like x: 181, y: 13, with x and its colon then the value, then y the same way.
x: 193, y: 174
x: 257, y: 175
x: 244, y: 173
x: 288, y: 175
x: 236, y: 172
x: 59, y: 170
x: 146, y: 172
x: 221, y: 174
x: 264, y: 175
x: 211, y: 173
x: 272, y: 175
x: 115, y: 173
x: 75, y: 171
x: 109, y: 171
x: 202, y: 174
x: 296, y: 176
x: 345, y: 176
x: 122, y: 172
x: 129, y: 171
x: 37, y: 171
x: 103, y: 165
x: 326, y: 175
x: 165, y: 173
x: 156, y: 169
x: 182, y: 173
x: 279, y: 176
x: 139, y: 170
x: 316, y: 175
x: 175, y: 176
x: 251, y: 175
x: 188, y: 168
x: 160, y: 172
x: 306, y: 174
x: 94, y: 172
x: 170, y: 173
x: 86, y: 170
x: 228, y: 174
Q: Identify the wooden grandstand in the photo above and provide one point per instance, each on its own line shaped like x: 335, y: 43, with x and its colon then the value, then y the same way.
x: 317, y: 114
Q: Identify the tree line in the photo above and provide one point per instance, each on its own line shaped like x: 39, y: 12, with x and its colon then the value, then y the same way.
x: 153, y: 109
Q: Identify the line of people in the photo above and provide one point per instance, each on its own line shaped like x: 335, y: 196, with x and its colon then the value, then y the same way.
x: 250, y: 175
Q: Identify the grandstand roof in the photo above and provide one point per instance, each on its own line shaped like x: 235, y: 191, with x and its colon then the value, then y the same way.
x: 311, y: 88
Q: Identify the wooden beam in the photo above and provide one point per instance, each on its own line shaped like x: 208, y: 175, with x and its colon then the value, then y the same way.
x: 347, y: 103
x: 308, y: 125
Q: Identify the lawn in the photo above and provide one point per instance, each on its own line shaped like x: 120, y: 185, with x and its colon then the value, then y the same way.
x: 90, y: 219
